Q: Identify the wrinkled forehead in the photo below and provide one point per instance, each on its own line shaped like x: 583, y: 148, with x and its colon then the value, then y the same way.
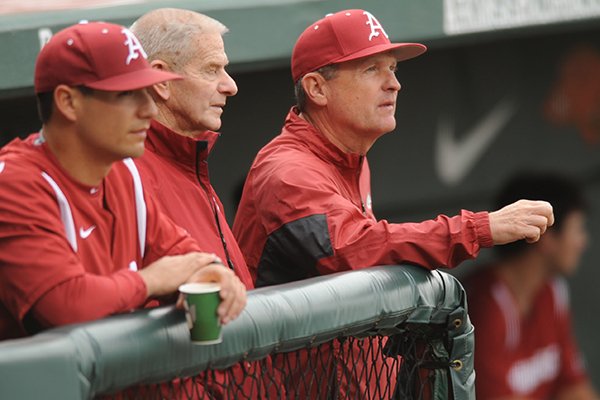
x: 207, y: 49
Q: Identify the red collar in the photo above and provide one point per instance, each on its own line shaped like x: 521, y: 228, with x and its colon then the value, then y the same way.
x: 318, y: 143
x: 167, y: 143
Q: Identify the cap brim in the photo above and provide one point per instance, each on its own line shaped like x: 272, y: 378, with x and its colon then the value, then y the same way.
x: 402, y: 51
x: 134, y: 80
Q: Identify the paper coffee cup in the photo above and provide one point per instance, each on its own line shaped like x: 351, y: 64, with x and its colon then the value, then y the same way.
x: 201, y: 303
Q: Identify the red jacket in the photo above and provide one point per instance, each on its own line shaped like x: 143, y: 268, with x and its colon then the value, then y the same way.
x: 306, y: 211
x: 174, y: 169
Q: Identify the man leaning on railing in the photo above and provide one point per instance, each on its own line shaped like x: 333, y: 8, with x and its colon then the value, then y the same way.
x: 306, y: 205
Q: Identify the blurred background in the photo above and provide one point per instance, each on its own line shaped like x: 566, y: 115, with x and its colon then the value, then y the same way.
x: 505, y: 86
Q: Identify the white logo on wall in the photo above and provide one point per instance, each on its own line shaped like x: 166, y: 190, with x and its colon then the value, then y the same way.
x: 464, y: 16
x: 134, y: 45
x: 455, y: 158
x: 375, y: 26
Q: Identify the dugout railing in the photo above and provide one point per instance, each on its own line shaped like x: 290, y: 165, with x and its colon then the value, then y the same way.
x: 403, y: 328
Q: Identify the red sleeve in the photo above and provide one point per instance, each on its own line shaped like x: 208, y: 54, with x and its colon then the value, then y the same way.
x: 97, y: 297
x: 572, y: 368
x: 492, y: 358
x: 39, y: 269
x: 359, y: 241
x: 572, y: 364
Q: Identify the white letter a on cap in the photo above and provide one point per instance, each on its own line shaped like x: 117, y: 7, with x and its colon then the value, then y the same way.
x: 374, y: 25
x: 134, y: 45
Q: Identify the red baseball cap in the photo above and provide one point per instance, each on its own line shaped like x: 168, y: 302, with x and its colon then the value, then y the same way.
x: 344, y: 36
x: 98, y: 55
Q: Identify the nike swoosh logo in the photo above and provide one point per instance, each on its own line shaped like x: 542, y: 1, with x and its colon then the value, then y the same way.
x: 84, y: 233
x: 2, y: 164
x: 455, y: 158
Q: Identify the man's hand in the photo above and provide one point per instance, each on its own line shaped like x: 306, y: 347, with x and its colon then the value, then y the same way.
x: 524, y: 219
x: 233, y: 291
x: 164, y: 276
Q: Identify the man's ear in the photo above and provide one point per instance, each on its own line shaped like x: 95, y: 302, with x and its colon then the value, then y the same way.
x: 315, y: 87
x: 163, y: 89
x: 66, y: 101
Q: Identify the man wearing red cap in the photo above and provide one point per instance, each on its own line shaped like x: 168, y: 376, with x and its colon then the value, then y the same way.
x: 79, y: 240
x: 306, y: 205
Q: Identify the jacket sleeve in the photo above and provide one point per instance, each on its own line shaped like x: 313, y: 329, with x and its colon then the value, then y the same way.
x: 89, y: 297
x: 572, y: 368
x: 307, y: 213
x: 40, y: 272
x: 493, y: 359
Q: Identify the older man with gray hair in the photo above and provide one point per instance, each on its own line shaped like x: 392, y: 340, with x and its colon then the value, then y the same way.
x: 174, y: 167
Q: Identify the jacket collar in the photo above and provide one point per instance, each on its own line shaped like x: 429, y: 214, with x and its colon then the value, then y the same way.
x: 318, y: 143
x: 167, y: 143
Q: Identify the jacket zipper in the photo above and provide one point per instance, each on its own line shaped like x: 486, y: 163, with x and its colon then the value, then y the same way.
x: 213, y: 203
x: 362, y: 203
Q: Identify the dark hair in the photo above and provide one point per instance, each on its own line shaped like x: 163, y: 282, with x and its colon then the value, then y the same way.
x: 564, y: 193
x: 328, y: 72
x: 45, y: 102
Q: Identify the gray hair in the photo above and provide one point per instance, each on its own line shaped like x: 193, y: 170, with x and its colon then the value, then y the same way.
x: 327, y: 72
x: 166, y: 34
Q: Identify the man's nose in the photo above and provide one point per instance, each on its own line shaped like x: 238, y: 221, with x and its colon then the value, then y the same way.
x: 148, y: 108
x: 228, y: 85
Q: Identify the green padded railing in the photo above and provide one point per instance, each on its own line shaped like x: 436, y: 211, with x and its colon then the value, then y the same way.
x: 85, y: 360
